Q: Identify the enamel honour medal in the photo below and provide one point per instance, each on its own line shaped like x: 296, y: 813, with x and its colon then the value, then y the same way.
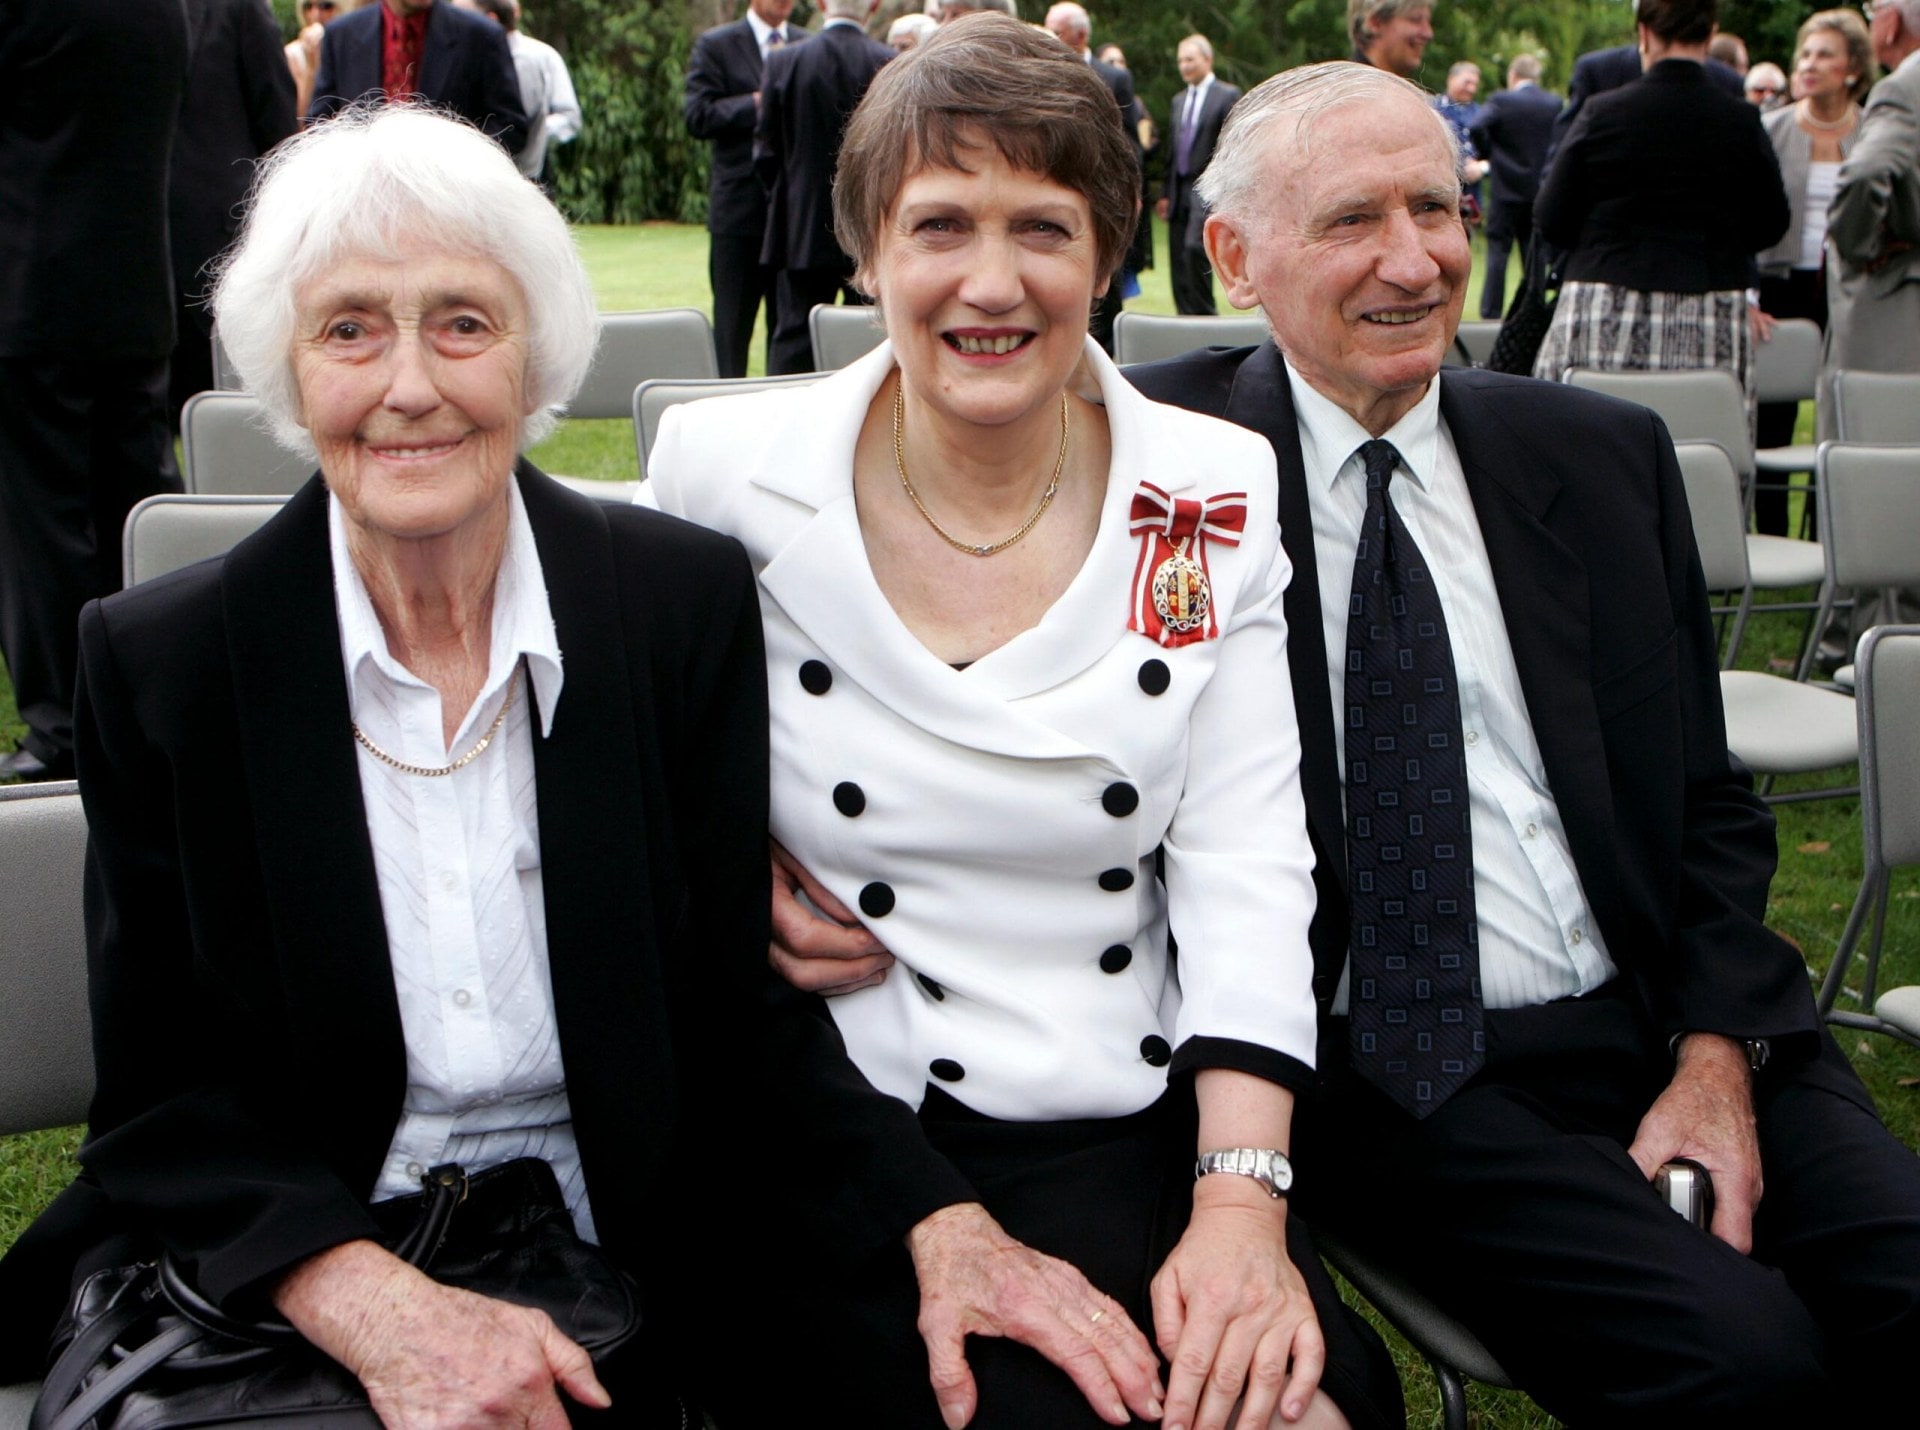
x: 1181, y: 595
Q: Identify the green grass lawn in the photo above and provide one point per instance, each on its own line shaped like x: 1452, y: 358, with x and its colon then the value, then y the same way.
x: 664, y: 265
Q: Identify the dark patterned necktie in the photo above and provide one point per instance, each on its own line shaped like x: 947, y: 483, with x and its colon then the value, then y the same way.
x: 1414, y: 970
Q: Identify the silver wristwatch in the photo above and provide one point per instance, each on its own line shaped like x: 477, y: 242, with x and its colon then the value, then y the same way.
x: 1269, y: 1168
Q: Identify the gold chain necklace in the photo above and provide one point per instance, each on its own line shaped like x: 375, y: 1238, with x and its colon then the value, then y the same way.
x: 513, y: 684
x: 970, y: 547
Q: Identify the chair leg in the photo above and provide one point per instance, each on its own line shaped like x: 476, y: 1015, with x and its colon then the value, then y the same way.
x: 1453, y: 1396
x: 1872, y: 890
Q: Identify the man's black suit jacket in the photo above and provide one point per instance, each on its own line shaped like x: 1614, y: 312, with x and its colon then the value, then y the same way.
x: 238, y: 104
x: 250, y: 1060
x: 89, y: 91
x: 806, y: 98
x: 1580, y: 500
x: 1512, y: 133
x: 464, y: 65
x: 723, y: 75
x: 1214, y: 108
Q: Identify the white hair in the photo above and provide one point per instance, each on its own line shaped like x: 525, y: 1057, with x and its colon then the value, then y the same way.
x: 374, y: 181
x: 1075, y: 15
x: 845, y: 9
x: 1239, y: 159
x: 1909, y: 16
x: 919, y: 26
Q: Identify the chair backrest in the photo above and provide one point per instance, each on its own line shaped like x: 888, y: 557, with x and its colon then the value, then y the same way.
x: 652, y: 399
x: 664, y: 342
x: 1149, y: 337
x: 1786, y: 367
x: 228, y: 451
x: 1870, y: 514
x: 167, y: 532
x: 1476, y: 339
x: 1877, y: 406
x: 1698, y: 405
x: 1719, y: 523
x: 1887, y: 688
x: 843, y: 333
x: 46, y: 1053
x: 226, y: 378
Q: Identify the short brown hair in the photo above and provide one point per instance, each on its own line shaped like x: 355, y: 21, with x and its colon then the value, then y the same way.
x: 979, y: 81
x: 1853, y: 31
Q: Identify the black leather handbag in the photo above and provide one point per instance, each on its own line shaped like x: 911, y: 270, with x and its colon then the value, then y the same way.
x: 142, y: 1350
x: 1529, y: 316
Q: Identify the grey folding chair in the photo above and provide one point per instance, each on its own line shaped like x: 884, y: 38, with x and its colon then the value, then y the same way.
x: 1473, y: 343
x: 225, y: 377
x: 46, y: 1048
x: 652, y: 399
x: 1786, y: 368
x: 229, y: 452
x: 1149, y: 337
x: 663, y: 342
x: 843, y: 333
x: 1713, y: 498
x: 1706, y: 405
x: 167, y: 532
x: 1869, y: 523
x: 1879, y: 407
x: 1887, y: 675
x: 1454, y: 1353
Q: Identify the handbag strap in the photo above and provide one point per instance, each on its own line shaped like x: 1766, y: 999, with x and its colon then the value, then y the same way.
x: 58, y: 1407
x: 445, y: 1189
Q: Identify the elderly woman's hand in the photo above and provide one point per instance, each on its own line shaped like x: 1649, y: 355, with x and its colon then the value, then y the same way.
x: 1232, y: 1313
x: 976, y: 1280
x: 431, y: 1356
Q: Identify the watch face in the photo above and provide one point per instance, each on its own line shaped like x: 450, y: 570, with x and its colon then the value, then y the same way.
x: 1282, y: 1175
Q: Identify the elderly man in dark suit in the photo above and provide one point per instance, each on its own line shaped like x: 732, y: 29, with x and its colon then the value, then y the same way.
x: 401, y: 48
x: 1496, y: 607
x: 722, y: 102
x: 238, y: 104
x: 89, y: 91
x: 807, y: 98
x: 1511, y: 132
x: 1195, y: 115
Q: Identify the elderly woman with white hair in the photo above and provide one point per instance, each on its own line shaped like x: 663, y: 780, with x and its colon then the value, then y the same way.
x: 426, y: 825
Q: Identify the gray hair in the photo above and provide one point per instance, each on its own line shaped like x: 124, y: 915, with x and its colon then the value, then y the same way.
x: 954, y: 9
x: 1200, y: 42
x: 1361, y: 12
x: 1302, y: 94
x: 845, y: 9
x: 1909, y: 15
x: 1075, y: 14
x: 919, y: 26
x: 370, y: 183
x: 1524, y: 66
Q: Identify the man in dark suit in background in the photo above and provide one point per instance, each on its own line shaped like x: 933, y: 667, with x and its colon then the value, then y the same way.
x: 1195, y: 117
x: 400, y: 48
x: 1073, y: 27
x: 1511, y: 132
x: 238, y: 104
x: 722, y: 103
x: 89, y: 92
x: 808, y: 96
x: 1527, y: 1011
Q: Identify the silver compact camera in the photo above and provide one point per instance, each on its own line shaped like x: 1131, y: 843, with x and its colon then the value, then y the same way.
x: 1687, y: 1187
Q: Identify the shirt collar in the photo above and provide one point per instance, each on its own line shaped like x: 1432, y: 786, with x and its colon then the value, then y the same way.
x: 1329, y: 437
x: 1201, y: 88
x: 761, y: 29
x: 522, y: 617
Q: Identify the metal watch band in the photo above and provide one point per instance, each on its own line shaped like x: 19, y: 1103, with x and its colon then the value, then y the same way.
x: 1268, y: 1167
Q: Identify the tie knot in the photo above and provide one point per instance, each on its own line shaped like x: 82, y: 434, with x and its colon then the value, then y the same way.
x: 1379, y: 457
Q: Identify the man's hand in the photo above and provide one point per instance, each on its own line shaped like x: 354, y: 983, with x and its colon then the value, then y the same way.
x: 1761, y: 323
x: 976, y: 1280
x: 827, y: 953
x: 1706, y: 1113
x: 432, y: 1356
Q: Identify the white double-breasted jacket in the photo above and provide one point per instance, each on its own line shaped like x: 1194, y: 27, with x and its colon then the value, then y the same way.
x: 996, y: 826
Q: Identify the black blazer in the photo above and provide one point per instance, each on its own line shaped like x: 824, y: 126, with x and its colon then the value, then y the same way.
x: 464, y: 65
x: 1598, y: 71
x: 238, y: 105
x: 89, y: 91
x: 1580, y: 500
x: 247, y: 1036
x: 1214, y: 109
x: 722, y: 76
x: 1667, y: 185
x: 807, y: 96
x: 1511, y: 133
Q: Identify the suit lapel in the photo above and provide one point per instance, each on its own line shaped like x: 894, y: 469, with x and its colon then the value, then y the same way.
x: 316, y: 860
x: 1262, y: 401
x: 438, y: 54
x: 604, y: 952
x: 1542, y: 585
